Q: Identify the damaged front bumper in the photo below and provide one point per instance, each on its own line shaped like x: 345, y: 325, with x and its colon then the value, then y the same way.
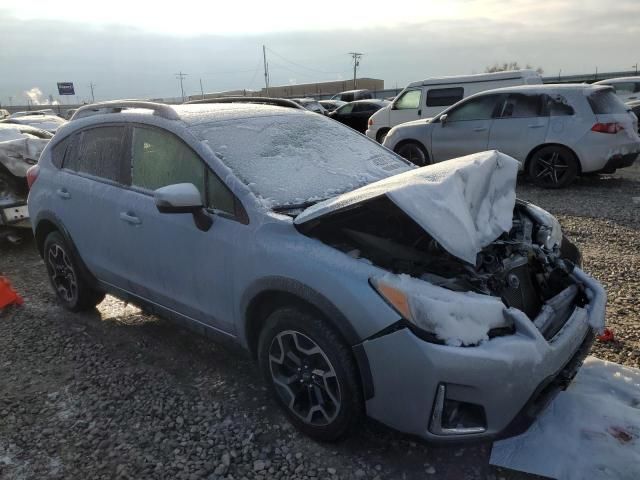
x: 445, y: 393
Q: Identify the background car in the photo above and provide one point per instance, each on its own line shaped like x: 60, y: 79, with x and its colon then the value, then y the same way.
x: 3, y: 113
x: 311, y: 104
x: 555, y: 131
x: 20, y: 148
x: 627, y: 88
x: 331, y: 105
x: 356, y: 114
x: 426, y: 98
x: 50, y: 123
x: 352, y: 95
x: 635, y: 108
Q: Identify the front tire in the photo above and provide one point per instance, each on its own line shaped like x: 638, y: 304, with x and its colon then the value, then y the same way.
x: 311, y: 373
x: 72, y: 290
x: 553, y: 166
x: 414, y: 152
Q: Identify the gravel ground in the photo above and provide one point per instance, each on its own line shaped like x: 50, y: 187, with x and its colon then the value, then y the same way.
x: 118, y: 394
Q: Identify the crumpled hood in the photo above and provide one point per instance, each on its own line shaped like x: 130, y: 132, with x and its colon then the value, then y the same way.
x: 464, y: 203
x: 20, y: 154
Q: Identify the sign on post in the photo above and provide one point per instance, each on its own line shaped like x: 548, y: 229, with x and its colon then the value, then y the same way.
x: 66, y: 88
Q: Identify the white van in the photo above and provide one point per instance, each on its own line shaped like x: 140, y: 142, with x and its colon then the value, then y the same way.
x: 427, y: 98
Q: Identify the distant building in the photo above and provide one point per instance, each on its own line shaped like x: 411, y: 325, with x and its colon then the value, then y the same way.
x: 302, y: 90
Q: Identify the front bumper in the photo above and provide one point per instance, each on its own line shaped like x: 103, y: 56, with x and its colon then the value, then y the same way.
x: 505, y: 375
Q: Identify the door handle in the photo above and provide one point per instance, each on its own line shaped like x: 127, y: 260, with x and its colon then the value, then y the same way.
x: 130, y: 218
x: 480, y: 129
x: 63, y: 193
x: 420, y: 112
x: 535, y: 126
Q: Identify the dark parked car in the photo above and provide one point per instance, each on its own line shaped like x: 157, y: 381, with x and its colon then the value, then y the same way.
x: 356, y: 114
x: 331, y: 105
x: 352, y: 95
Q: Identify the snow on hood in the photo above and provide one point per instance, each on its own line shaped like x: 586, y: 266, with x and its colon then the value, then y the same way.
x: 464, y: 203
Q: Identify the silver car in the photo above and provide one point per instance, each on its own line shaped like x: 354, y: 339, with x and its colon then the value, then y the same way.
x: 428, y: 298
x: 556, y: 131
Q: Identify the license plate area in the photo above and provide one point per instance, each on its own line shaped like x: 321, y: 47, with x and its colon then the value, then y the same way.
x: 15, y: 214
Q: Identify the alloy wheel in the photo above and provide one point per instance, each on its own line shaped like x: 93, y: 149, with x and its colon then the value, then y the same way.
x: 63, y: 276
x: 551, y: 168
x: 304, y: 378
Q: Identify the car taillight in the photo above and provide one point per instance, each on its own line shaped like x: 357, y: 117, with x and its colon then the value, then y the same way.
x: 370, y: 121
x: 612, y: 127
x: 32, y: 175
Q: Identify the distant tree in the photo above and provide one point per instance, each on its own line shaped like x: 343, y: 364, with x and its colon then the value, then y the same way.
x: 501, y: 67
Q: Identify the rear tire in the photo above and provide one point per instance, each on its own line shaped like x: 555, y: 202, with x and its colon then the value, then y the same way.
x: 553, y: 166
x: 72, y: 290
x: 311, y: 373
x: 414, y: 152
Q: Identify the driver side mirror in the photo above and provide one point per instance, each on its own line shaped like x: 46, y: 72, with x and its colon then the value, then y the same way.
x: 183, y: 198
x: 443, y: 119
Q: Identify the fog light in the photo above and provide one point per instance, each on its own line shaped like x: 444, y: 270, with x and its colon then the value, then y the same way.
x: 453, y: 417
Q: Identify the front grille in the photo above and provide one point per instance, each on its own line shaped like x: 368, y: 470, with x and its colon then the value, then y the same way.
x: 520, y: 292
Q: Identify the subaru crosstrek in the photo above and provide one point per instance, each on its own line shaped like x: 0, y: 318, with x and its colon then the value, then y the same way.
x: 428, y: 298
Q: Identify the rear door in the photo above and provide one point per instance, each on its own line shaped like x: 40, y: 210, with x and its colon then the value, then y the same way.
x: 466, y: 129
x: 407, y: 107
x: 85, y: 196
x: 520, y: 125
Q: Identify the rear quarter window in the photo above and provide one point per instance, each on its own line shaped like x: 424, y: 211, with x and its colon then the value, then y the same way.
x: 100, y: 152
x: 606, y: 102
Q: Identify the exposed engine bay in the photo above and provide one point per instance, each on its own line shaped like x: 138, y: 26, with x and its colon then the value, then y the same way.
x: 517, y: 267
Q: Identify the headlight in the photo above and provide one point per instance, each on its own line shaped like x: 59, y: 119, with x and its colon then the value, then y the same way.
x: 549, y: 231
x: 456, y: 318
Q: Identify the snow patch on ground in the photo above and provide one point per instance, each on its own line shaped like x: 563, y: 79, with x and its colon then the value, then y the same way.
x: 591, y: 430
x: 457, y: 318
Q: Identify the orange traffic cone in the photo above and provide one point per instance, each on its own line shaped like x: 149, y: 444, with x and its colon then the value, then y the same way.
x: 8, y: 296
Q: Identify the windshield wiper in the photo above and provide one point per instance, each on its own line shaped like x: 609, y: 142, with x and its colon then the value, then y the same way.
x: 293, y: 206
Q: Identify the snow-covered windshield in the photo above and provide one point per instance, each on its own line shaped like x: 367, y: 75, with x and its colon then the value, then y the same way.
x: 289, y: 160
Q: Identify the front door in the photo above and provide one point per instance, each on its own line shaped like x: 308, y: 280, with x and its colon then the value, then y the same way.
x: 172, y: 262
x: 406, y: 108
x: 466, y: 129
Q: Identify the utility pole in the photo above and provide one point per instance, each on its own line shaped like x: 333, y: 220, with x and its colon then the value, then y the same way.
x: 201, y: 90
x: 356, y: 62
x: 181, y: 77
x: 10, y: 100
x: 635, y: 67
x: 91, y: 85
x: 266, y: 69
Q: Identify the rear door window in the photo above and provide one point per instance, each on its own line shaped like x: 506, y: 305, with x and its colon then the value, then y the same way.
x: 364, y: 108
x: 100, y: 152
x: 443, y: 97
x: 557, y: 106
x: 408, y: 100
x: 606, y: 102
x: 519, y: 105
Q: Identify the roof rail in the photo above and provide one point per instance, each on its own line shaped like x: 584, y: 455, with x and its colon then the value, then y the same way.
x: 116, y: 106
x: 278, y: 102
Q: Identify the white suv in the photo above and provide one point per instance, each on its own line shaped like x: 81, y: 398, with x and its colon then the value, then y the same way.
x: 556, y: 132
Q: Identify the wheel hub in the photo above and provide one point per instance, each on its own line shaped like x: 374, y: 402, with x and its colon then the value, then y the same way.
x: 304, y: 378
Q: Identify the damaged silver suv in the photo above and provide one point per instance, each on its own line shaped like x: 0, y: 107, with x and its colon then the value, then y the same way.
x: 427, y: 298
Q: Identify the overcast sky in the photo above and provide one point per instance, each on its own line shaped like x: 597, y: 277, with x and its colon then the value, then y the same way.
x: 133, y: 49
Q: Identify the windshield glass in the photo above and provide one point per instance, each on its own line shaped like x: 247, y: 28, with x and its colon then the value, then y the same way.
x: 289, y: 160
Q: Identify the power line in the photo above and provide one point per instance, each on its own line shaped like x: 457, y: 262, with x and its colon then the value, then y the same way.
x: 356, y: 63
x: 181, y: 76
x: 301, y: 66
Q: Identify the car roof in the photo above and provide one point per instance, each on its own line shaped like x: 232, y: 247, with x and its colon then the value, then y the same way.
x: 193, y: 114
x: 370, y: 100
x: 618, y: 80
x: 550, y: 87
x: 477, y: 77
